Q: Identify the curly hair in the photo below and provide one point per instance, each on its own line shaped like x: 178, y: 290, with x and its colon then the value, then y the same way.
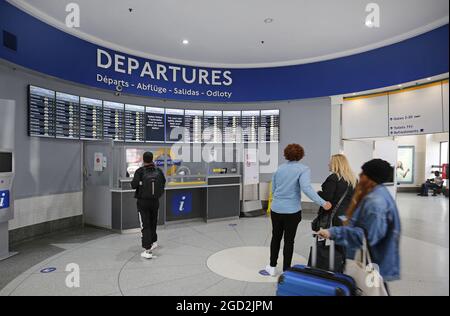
x: 294, y: 152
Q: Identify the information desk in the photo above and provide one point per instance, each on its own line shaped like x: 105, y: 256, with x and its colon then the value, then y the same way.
x: 216, y: 198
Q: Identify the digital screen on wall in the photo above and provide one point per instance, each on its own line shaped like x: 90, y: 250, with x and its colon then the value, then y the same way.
x: 134, y: 123
x: 154, y: 125
x: 405, y: 165
x: 174, y: 125
x: 250, y: 126
x: 193, y: 123
x: 41, y: 112
x: 67, y: 117
x: 270, y: 126
x: 91, y: 119
x: 231, y: 127
x: 6, y: 163
x: 212, y: 126
x: 113, y: 127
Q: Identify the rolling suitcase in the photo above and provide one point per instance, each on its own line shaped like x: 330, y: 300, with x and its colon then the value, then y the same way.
x: 308, y: 281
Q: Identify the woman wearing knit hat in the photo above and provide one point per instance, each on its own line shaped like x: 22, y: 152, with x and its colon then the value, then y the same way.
x: 372, y: 213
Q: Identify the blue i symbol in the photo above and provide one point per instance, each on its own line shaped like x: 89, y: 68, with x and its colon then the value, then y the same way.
x: 4, y: 199
x: 183, y: 200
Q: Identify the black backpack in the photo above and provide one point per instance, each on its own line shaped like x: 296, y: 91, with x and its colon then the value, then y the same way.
x: 152, y: 184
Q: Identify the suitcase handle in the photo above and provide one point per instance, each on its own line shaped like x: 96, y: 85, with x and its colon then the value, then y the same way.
x: 314, y: 253
x: 313, y: 271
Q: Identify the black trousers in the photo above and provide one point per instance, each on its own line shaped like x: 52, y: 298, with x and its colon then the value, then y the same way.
x: 284, y: 225
x: 148, y: 215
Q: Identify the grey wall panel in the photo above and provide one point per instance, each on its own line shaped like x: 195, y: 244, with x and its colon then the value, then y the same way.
x: 49, y: 166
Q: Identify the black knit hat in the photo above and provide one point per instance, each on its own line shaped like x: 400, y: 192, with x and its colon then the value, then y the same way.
x: 379, y: 171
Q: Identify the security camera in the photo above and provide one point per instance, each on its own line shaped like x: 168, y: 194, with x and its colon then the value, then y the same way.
x: 119, y: 88
x: 118, y: 94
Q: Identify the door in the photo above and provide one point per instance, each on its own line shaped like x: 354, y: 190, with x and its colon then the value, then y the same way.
x: 97, y: 184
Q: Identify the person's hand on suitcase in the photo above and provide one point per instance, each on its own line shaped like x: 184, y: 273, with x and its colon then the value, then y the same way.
x: 328, y: 206
x: 324, y: 233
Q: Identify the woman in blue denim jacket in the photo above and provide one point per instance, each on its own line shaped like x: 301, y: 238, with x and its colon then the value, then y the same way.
x: 372, y: 213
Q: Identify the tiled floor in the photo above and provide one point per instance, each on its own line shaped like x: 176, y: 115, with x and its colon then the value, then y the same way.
x: 111, y: 265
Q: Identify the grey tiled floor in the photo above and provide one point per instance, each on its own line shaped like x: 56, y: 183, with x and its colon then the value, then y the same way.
x: 110, y: 264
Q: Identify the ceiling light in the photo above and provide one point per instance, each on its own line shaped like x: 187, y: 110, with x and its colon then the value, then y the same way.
x: 400, y: 85
x: 429, y: 79
x: 268, y: 20
x: 185, y: 42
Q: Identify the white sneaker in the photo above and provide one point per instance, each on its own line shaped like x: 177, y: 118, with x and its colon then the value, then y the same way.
x: 147, y: 254
x: 272, y: 271
x: 154, y: 246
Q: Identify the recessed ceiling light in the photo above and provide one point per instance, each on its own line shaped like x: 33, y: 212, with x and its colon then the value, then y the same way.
x: 400, y: 85
x: 429, y: 79
x: 354, y: 93
x: 268, y: 20
x: 185, y: 42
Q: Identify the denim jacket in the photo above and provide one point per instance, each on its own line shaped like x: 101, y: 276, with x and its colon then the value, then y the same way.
x: 377, y: 216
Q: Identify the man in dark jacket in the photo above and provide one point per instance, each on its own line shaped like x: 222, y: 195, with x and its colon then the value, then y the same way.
x: 149, y: 183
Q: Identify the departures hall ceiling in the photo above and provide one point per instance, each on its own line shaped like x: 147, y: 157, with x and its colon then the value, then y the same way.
x: 234, y: 33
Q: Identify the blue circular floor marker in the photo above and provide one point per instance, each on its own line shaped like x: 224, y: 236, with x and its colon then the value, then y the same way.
x: 48, y: 270
x: 264, y: 273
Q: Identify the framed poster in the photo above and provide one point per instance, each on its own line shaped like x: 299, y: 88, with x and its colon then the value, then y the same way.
x: 405, y: 165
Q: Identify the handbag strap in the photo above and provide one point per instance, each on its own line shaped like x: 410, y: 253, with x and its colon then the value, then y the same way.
x: 338, y: 205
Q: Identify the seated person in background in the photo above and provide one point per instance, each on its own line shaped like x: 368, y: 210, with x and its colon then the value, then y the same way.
x: 433, y: 184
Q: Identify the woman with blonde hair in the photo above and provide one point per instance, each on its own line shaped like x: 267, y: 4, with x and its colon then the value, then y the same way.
x: 338, y: 188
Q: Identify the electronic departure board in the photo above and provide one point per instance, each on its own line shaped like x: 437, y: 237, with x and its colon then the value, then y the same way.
x: 193, y: 123
x: 134, y: 123
x: 154, y: 125
x: 91, y: 119
x: 231, y: 127
x: 250, y: 126
x: 61, y: 115
x: 113, y: 126
x: 174, y: 125
x: 270, y: 126
x: 212, y: 126
x: 41, y: 112
x: 67, y: 117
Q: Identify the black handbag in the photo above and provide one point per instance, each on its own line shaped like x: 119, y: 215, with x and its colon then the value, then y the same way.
x: 325, y: 218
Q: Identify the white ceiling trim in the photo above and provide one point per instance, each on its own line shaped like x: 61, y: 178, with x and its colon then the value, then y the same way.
x: 26, y: 7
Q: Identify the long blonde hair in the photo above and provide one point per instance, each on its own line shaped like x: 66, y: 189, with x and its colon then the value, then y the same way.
x: 339, y: 165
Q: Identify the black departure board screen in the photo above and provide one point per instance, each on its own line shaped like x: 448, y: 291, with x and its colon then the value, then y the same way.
x: 193, y: 123
x: 113, y: 127
x: 174, y: 125
x: 212, y: 126
x: 232, y: 127
x: 134, y: 123
x: 67, y: 118
x: 270, y: 126
x: 250, y: 126
x: 154, y: 125
x: 41, y: 112
x: 91, y: 119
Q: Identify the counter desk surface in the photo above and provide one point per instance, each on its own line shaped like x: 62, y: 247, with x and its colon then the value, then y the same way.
x: 216, y: 198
